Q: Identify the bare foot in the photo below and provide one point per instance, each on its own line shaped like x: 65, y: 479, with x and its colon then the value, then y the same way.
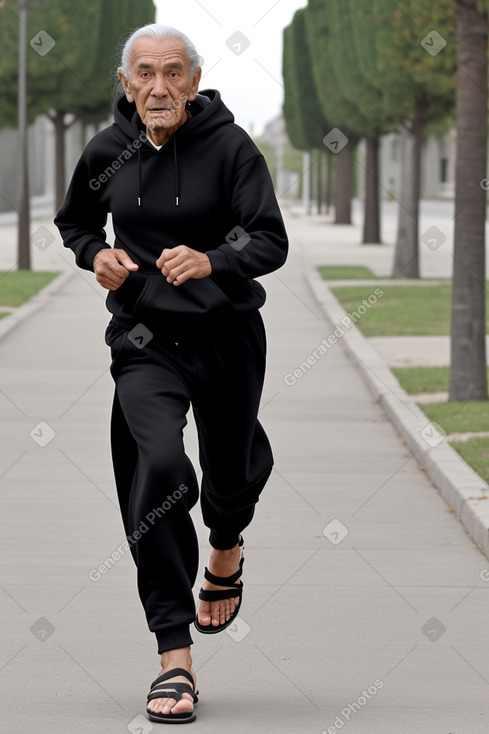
x: 221, y: 563
x: 179, y: 658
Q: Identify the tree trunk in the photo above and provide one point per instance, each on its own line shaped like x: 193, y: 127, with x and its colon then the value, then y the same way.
x: 59, y: 135
x: 344, y: 185
x: 329, y: 180
x: 319, y: 178
x: 405, y: 219
x: 371, y: 220
x: 306, y: 193
x: 468, y: 377
x: 311, y: 183
x: 406, y: 253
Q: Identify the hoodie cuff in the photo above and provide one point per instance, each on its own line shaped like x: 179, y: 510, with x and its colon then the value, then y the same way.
x: 88, y: 254
x: 219, y: 261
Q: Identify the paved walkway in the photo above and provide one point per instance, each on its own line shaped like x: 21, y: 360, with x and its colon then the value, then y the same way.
x: 365, y: 601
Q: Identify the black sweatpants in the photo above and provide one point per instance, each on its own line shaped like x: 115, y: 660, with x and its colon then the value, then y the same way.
x: 218, y: 367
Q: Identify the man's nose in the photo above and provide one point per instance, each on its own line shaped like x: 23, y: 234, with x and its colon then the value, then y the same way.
x: 159, y: 86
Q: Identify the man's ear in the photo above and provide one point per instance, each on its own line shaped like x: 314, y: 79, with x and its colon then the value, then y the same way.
x: 125, y: 85
x: 195, y: 84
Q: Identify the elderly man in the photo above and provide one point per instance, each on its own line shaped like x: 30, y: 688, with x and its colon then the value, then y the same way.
x: 195, y: 220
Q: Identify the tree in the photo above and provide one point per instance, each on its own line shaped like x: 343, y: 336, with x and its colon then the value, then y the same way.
x: 56, y: 77
x: 468, y: 380
x: 305, y: 122
x: 9, y: 22
x: 74, y: 79
x: 335, y: 106
x: 89, y: 99
x: 352, y: 46
x: 420, y: 86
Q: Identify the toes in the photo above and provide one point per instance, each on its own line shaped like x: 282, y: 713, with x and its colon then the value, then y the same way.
x: 216, y: 613
x: 167, y: 705
x: 184, y: 706
x: 222, y: 611
x: 204, y: 614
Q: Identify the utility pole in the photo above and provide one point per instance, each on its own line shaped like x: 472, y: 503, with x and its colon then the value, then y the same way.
x: 23, y: 204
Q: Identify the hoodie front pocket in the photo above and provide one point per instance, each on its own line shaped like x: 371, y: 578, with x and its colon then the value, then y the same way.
x: 195, y: 296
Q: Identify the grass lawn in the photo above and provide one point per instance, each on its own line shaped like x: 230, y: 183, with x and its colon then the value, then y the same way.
x: 460, y: 417
x: 345, y: 272
x: 17, y: 286
x: 403, y: 310
x: 453, y: 417
x: 475, y: 452
x: 416, y: 380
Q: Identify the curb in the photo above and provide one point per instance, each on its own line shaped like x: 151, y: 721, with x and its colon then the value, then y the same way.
x: 463, y: 489
x: 34, y: 304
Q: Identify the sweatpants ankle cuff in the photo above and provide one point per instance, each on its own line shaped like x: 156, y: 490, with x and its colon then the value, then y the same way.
x: 223, y: 541
x: 173, y: 638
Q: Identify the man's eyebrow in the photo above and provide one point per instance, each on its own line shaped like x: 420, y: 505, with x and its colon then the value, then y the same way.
x: 169, y: 65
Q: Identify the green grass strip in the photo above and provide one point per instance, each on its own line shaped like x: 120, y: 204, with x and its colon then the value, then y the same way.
x: 475, y: 452
x: 456, y: 417
x: 402, y: 310
x: 17, y: 286
x: 416, y: 380
x: 345, y: 272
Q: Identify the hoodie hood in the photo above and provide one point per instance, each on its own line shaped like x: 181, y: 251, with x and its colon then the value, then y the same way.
x: 207, y: 113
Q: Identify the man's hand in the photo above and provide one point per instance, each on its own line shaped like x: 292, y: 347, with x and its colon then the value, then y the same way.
x: 112, y: 267
x: 178, y: 264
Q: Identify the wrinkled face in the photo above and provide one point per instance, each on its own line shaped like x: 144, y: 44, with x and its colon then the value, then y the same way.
x: 160, y: 83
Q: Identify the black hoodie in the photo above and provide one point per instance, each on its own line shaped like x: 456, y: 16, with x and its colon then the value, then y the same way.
x: 208, y: 188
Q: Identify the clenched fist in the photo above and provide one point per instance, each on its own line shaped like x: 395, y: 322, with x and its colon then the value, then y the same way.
x: 181, y: 263
x: 111, y: 267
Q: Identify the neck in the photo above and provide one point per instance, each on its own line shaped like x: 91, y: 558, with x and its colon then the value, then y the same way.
x: 161, y: 135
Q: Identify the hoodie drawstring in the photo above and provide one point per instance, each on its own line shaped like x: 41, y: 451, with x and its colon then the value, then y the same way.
x: 177, y: 175
x: 139, y: 175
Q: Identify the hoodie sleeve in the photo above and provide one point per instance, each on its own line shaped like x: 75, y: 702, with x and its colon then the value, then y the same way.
x: 257, y: 244
x: 82, y: 218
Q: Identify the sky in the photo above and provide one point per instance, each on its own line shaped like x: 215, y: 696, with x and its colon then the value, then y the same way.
x: 241, y: 43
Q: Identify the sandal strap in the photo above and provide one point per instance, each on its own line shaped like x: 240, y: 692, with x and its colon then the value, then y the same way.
x: 173, y: 673
x: 171, y: 690
x: 224, y: 580
x: 217, y: 595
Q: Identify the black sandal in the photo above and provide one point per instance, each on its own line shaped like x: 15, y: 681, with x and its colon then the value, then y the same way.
x: 215, y: 595
x: 160, y: 689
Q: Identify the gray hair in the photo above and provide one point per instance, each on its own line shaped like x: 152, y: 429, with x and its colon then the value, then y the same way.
x: 157, y: 31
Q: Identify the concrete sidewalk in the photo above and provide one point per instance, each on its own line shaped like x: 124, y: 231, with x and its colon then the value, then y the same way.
x: 365, y: 603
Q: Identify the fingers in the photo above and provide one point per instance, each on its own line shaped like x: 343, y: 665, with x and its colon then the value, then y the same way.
x: 164, y: 257
x: 178, y: 274
x: 126, y: 261
x: 174, y: 262
x: 181, y: 263
x: 112, y: 267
